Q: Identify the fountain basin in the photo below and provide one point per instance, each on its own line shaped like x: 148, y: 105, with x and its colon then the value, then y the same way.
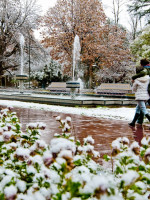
x: 21, y: 77
x: 72, y: 84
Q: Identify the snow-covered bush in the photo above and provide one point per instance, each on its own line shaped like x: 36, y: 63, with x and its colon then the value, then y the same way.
x: 131, y: 164
x: 140, y: 47
x: 51, y: 72
x: 66, y: 169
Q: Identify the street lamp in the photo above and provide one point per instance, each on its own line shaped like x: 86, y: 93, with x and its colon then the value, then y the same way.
x: 91, y: 74
x: 29, y: 59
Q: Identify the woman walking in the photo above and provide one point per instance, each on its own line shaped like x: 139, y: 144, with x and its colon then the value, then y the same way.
x: 141, y: 95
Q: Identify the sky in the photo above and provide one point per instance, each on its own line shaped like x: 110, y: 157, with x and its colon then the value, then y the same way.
x: 45, y: 4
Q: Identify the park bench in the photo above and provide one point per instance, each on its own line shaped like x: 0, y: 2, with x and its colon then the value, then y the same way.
x: 114, y: 88
x: 58, y: 87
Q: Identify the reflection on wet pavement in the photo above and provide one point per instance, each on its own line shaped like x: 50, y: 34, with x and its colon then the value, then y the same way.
x: 140, y: 131
x: 104, y: 131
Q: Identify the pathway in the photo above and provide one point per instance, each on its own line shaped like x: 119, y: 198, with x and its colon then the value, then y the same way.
x: 104, y: 131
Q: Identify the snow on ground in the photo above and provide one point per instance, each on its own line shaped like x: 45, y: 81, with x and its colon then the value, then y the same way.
x: 122, y: 113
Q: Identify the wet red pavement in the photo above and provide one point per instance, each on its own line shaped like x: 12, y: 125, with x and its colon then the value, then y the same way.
x: 104, y: 131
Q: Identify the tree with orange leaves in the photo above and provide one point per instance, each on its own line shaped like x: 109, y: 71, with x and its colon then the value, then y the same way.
x: 101, y: 43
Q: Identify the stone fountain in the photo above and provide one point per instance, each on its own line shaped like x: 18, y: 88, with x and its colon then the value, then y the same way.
x: 21, y: 77
x: 73, y: 85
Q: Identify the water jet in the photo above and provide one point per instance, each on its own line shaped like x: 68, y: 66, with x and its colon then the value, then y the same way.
x: 21, y: 77
x: 73, y: 85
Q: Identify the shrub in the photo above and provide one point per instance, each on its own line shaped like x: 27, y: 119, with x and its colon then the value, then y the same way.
x: 65, y: 169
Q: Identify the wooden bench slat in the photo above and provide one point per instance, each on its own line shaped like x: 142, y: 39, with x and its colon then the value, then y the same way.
x: 58, y: 87
x: 114, y: 88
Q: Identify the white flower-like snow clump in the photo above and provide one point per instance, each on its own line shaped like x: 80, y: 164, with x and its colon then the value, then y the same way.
x: 30, y: 169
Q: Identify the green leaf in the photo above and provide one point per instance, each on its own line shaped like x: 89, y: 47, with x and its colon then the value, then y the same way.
x: 2, y: 196
x: 25, y: 137
x: 118, y: 170
x: 142, y: 153
x: 57, y: 197
x: 46, y: 184
x: 78, y: 162
x: 73, y: 188
x: 106, y: 157
x: 78, y: 143
x: 141, y: 168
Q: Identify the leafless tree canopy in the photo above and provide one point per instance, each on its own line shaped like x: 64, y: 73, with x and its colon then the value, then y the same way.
x: 16, y: 17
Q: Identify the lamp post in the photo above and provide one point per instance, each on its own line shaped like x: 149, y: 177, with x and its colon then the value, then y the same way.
x: 29, y: 59
x: 91, y: 74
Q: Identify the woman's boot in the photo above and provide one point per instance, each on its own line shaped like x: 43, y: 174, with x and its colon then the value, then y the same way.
x: 148, y: 117
x: 136, y: 116
x: 141, y: 118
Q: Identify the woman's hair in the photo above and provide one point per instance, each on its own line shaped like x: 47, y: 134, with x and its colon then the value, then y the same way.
x: 144, y: 62
x: 139, y: 69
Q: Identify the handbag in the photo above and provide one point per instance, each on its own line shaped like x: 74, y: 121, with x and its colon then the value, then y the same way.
x: 148, y: 88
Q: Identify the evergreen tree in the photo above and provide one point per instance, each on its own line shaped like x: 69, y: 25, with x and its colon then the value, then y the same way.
x: 140, y: 8
x: 140, y: 47
x: 50, y: 73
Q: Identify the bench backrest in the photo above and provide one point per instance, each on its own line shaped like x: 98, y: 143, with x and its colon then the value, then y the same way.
x: 57, y: 85
x: 115, y: 86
